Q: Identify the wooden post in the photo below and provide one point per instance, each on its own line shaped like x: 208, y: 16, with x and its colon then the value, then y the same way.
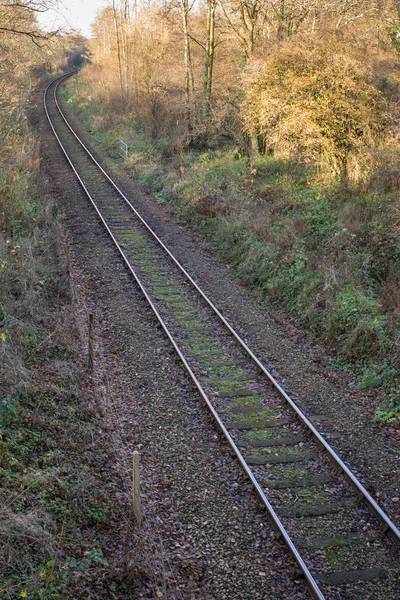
x: 137, y: 508
x: 90, y: 354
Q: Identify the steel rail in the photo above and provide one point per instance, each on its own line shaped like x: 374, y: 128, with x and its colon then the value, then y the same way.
x: 389, y: 525
x: 311, y: 583
x: 383, y: 517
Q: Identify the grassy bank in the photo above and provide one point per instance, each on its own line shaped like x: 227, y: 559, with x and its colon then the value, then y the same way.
x: 326, y: 256
x: 58, y: 533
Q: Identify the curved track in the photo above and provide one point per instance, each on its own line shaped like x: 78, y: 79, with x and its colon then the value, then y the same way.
x: 343, y: 542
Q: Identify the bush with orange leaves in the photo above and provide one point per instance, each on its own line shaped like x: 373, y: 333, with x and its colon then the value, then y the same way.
x: 316, y: 102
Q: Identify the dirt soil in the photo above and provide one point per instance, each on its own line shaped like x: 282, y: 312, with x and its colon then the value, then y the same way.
x: 209, y: 538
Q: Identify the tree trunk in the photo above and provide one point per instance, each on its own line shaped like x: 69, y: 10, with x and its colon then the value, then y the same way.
x: 189, y: 78
x: 262, y: 143
x: 117, y: 34
x: 281, y: 20
x: 125, y: 44
x: 210, y: 50
x: 344, y: 171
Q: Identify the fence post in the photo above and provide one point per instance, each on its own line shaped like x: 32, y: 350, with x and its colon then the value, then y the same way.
x: 91, y: 337
x: 137, y: 508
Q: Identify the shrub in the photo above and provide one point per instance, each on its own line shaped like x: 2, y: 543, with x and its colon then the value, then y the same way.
x: 389, y: 410
x: 355, y: 316
x: 313, y: 101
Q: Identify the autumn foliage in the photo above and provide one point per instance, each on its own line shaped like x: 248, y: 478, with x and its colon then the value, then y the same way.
x: 295, y: 79
x: 315, y: 103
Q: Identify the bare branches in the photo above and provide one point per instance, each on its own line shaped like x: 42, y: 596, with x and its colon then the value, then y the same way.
x: 236, y: 30
x: 34, y: 6
x: 18, y: 18
x: 197, y: 42
x: 34, y: 36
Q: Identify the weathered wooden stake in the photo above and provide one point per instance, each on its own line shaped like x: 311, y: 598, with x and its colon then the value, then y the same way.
x: 137, y: 507
x: 107, y: 397
x: 91, y: 336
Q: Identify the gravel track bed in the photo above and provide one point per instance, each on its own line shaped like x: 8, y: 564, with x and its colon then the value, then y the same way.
x: 215, y: 537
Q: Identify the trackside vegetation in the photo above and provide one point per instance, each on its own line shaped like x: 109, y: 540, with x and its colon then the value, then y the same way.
x: 55, y: 518
x: 325, y: 253
x: 43, y: 495
x: 56, y: 525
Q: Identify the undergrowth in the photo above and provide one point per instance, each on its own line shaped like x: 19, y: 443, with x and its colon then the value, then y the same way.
x: 328, y: 257
x: 60, y: 527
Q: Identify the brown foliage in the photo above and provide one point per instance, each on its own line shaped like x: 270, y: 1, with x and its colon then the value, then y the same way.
x: 314, y: 102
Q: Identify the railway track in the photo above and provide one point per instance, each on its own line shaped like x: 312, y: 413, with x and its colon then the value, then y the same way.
x: 343, y: 543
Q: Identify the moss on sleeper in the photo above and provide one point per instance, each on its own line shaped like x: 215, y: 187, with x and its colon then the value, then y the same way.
x: 289, y: 472
x: 263, y: 434
x: 243, y: 401
x: 201, y: 343
x: 307, y: 497
x: 263, y: 415
x: 226, y: 372
x: 168, y: 296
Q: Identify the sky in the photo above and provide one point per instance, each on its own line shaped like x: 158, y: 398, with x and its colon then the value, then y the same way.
x: 78, y: 14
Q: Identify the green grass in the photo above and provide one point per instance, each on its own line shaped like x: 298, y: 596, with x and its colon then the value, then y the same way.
x: 48, y: 489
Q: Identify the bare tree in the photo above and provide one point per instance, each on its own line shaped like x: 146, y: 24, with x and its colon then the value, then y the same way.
x: 118, y: 38
x: 246, y: 19
x: 185, y: 8
x: 210, y: 53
